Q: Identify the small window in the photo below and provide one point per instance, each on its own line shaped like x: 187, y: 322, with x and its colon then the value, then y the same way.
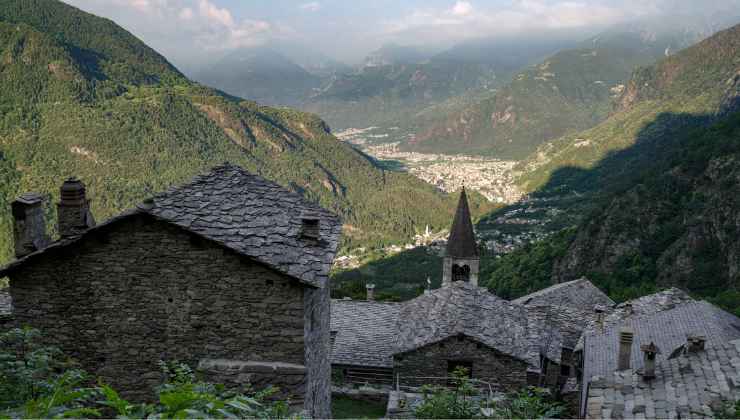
x: 310, y: 229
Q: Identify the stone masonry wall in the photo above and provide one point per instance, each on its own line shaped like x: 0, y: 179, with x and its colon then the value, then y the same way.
x: 140, y: 291
x: 488, y: 364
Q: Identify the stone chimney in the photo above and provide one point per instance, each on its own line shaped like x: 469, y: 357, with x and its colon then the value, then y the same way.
x: 626, y: 334
x: 695, y: 343
x: 73, y: 210
x: 599, y: 310
x: 29, y: 225
x: 370, y: 291
x: 649, y: 352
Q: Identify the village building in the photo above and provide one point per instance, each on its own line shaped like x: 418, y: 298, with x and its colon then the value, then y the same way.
x: 228, y: 272
x: 507, y: 345
x: 661, y: 355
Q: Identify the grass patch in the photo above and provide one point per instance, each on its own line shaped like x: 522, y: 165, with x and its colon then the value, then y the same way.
x: 348, y: 408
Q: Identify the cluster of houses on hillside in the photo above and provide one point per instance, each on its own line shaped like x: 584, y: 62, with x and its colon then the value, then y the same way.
x: 230, y: 273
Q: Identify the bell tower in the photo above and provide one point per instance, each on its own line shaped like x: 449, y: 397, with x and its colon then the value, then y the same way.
x: 461, y: 261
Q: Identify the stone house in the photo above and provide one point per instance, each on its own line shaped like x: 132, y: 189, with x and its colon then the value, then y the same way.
x: 228, y: 272
x: 506, y: 344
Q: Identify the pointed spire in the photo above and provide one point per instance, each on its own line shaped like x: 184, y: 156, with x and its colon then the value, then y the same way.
x: 461, y: 243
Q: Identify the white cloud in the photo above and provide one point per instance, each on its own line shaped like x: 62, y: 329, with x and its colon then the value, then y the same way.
x: 463, y: 21
x: 462, y: 8
x: 179, y: 24
x: 313, y: 6
x: 212, y: 13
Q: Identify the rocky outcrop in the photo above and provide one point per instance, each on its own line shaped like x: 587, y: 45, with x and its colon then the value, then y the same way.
x: 681, y: 228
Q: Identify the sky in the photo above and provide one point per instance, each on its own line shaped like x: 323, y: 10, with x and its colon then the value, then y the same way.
x: 189, y: 32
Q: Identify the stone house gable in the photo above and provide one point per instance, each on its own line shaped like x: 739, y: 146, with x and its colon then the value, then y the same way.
x: 436, y: 360
x: 228, y: 281
x: 114, y: 306
x: 463, y: 308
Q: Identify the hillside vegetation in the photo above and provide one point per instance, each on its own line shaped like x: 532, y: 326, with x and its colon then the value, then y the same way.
x: 83, y: 97
x: 661, y: 181
x: 652, y: 192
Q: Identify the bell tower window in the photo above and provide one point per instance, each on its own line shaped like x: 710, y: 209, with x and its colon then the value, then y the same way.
x: 460, y: 273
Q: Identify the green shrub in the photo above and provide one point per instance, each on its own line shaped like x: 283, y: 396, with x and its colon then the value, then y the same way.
x: 529, y: 403
x: 37, y: 381
x: 444, y: 403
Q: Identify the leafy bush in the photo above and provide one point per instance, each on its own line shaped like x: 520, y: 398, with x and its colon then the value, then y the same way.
x: 460, y: 402
x: 529, y: 403
x: 444, y: 403
x: 37, y: 381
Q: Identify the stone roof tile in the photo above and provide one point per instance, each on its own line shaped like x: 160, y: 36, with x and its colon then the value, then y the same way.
x: 363, y: 332
x: 691, y: 385
x: 668, y: 329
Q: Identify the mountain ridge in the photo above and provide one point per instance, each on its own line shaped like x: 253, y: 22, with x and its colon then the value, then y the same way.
x: 129, y: 131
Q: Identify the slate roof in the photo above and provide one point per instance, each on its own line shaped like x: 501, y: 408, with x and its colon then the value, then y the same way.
x: 570, y: 322
x: 693, y: 385
x: 245, y: 213
x: 363, y: 332
x: 465, y: 309
x: 579, y: 293
x: 461, y: 242
x: 668, y: 329
x: 254, y: 217
x: 644, y: 305
x: 370, y: 333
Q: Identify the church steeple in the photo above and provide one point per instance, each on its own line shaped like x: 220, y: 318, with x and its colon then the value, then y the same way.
x: 461, y: 243
x: 461, y: 262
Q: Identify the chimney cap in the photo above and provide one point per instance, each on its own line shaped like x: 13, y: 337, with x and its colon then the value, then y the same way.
x: 72, y: 192
x: 30, y: 198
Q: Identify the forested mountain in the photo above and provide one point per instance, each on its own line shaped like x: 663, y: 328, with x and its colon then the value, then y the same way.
x: 392, y: 90
x: 568, y: 92
x: 81, y: 96
x: 661, y: 177
x: 652, y: 192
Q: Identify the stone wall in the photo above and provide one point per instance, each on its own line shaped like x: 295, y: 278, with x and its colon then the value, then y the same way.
x: 138, y: 291
x: 489, y: 365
